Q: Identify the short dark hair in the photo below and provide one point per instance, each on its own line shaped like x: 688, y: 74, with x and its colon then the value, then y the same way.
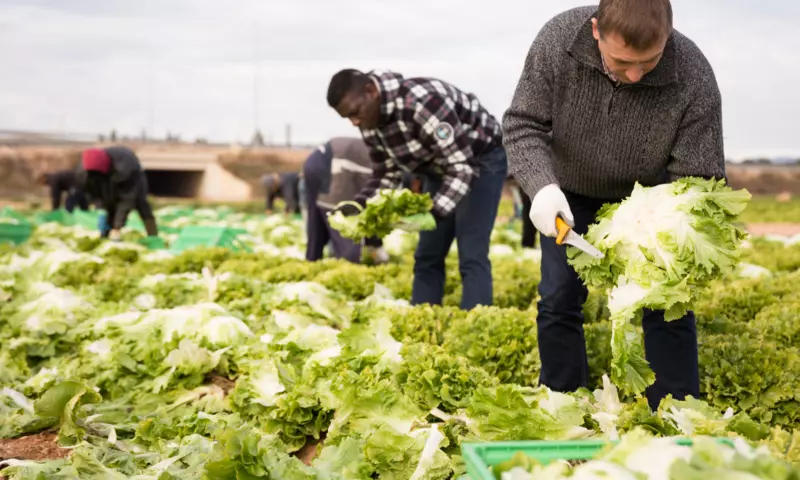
x: 344, y: 82
x: 640, y: 23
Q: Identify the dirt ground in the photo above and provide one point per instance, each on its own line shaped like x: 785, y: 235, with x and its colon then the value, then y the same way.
x: 224, y: 383
x: 309, y: 451
x: 41, y: 446
x: 785, y: 229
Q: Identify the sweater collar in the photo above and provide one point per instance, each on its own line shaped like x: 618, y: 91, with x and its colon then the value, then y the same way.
x: 388, y: 84
x: 584, y: 49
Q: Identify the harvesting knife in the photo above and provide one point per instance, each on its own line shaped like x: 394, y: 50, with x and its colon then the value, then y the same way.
x: 568, y: 236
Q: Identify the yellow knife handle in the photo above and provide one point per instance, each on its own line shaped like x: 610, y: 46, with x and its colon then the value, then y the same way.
x: 563, y: 230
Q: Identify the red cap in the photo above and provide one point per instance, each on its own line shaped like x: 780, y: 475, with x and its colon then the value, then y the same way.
x: 96, y: 160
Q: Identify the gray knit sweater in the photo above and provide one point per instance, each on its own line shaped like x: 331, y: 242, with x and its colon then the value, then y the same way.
x: 568, y: 124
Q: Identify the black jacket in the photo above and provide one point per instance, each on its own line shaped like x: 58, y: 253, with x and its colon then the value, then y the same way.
x: 118, y: 190
x: 288, y: 189
x: 61, y: 181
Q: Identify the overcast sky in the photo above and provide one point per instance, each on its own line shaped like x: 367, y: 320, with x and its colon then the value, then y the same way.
x: 85, y: 66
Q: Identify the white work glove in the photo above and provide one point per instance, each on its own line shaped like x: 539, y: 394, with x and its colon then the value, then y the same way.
x: 548, y: 203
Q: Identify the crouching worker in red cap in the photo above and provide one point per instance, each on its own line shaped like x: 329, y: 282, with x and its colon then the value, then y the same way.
x: 114, y: 178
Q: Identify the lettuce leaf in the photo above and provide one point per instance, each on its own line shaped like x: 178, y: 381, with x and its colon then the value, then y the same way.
x: 663, y: 245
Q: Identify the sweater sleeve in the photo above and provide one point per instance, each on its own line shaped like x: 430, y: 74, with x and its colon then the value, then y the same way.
x: 698, y: 149
x: 528, y: 121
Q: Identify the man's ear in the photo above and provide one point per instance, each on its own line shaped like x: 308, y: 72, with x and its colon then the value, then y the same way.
x: 371, y: 90
x: 595, y: 30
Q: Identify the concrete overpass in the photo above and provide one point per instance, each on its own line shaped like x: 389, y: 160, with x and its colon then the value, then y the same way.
x: 192, y: 174
x: 223, y: 173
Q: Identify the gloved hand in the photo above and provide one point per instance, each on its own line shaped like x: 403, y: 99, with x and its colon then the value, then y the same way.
x: 114, y: 235
x: 548, y: 203
x: 348, y: 210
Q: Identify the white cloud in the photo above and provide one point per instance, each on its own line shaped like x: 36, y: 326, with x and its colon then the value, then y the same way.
x: 83, y: 65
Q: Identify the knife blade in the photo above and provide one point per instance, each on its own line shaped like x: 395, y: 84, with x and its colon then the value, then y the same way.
x: 568, y: 236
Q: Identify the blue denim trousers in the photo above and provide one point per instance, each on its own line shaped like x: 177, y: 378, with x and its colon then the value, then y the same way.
x: 471, y: 226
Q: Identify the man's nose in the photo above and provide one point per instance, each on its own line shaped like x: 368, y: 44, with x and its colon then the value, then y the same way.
x: 634, y: 74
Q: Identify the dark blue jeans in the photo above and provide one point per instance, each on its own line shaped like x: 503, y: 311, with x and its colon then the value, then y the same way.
x: 670, y: 347
x: 471, y: 226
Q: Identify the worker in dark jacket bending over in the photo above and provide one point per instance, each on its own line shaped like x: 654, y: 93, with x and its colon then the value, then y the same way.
x: 610, y: 95
x: 286, y: 186
x: 60, y: 182
x: 336, y: 172
x: 114, y: 177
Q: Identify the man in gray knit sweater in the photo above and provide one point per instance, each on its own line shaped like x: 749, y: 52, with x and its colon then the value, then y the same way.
x: 609, y: 96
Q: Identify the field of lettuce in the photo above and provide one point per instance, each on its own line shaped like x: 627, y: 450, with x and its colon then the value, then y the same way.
x: 218, y: 364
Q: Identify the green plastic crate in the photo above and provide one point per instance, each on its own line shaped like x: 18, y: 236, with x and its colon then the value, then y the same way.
x: 153, y: 243
x: 90, y: 218
x: 15, y: 233
x: 176, y: 214
x: 57, y: 216
x: 8, y: 212
x: 202, y: 236
x: 87, y: 219
x: 134, y: 222
x: 479, y: 457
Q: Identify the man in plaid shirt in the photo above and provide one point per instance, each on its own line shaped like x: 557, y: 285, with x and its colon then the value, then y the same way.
x: 429, y: 127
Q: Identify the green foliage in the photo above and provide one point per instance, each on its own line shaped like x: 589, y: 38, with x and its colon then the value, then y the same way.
x: 729, y: 305
x: 433, y: 378
x: 196, y: 259
x: 773, y: 255
x: 751, y: 374
x: 354, y: 281
x: 253, y: 265
x: 765, y: 209
x: 384, y: 212
x: 242, y: 370
x: 77, y: 273
x: 595, y: 308
x: 503, y: 342
x: 598, y: 353
x: 515, y: 283
x: 425, y: 323
x: 661, y: 246
x: 780, y: 322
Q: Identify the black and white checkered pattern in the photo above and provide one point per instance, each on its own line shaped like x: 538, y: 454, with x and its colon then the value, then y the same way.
x: 428, y: 126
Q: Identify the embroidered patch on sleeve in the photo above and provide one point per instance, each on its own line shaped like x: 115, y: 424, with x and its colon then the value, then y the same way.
x: 443, y: 131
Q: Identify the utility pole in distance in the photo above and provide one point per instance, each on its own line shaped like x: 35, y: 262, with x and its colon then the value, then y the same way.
x: 256, y: 119
x: 151, y: 111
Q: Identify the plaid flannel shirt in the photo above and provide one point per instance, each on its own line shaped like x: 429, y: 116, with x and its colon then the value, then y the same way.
x: 428, y: 126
